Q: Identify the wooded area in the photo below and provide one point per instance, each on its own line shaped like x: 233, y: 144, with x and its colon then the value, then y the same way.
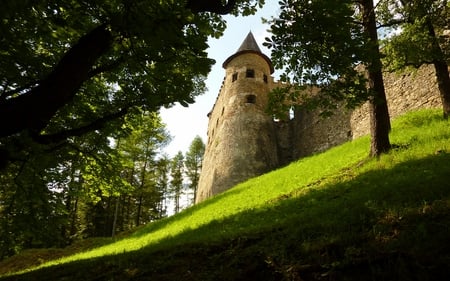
x: 81, y: 82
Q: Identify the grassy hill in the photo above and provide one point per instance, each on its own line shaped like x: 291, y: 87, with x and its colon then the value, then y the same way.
x: 337, y: 215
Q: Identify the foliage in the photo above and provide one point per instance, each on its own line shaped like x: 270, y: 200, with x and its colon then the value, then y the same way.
x: 372, y: 217
x: 332, y: 49
x: 78, y: 67
x: 82, y: 195
x: 44, y: 191
x: 418, y: 37
x: 76, y: 79
x: 320, y: 43
x: 410, y: 42
x: 176, y: 181
x: 193, y: 163
x: 143, y: 148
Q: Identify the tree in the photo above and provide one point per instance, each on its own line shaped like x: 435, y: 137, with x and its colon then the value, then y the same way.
x: 43, y: 203
x: 74, y: 73
x: 74, y: 67
x: 418, y: 39
x: 162, y: 170
x: 324, y: 44
x: 96, y: 190
x: 74, y: 78
x: 379, y: 115
x: 138, y: 202
x: 193, y: 163
x: 176, y: 183
x: 142, y: 147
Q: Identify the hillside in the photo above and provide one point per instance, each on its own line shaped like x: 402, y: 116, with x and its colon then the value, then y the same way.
x: 333, y: 216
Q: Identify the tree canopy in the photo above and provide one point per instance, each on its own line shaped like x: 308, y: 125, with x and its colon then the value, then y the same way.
x: 72, y: 67
x: 80, y: 82
x: 332, y: 45
x: 419, y: 35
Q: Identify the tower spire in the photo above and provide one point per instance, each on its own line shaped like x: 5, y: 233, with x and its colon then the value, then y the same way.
x: 241, y: 135
x: 249, y: 45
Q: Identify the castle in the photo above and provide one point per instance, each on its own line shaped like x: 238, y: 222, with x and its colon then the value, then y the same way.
x: 245, y: 141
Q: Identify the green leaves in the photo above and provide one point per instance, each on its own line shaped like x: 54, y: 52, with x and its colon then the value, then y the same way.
x: 319, y: 44
x: 94, y: 123
x: 193, y: 163
x: 417, y: 39
x: 420, y: 38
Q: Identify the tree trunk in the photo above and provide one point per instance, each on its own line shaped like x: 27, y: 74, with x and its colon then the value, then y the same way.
x: 73, y: 226
x: 379, y: 114
x: 139, y: 210
x: 41, y: 103
x: 116, y: 212
x: 195, y: 194
x: 441, y: 68
x: 443, y: 81
x: 141, y: 191
x: 128, y: 221
x: 177, y: 202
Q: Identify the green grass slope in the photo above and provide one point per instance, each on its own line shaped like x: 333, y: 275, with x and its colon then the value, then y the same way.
x: 333, y: 216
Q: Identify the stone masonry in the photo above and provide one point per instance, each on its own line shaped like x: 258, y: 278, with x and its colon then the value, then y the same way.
x: 244, y: 141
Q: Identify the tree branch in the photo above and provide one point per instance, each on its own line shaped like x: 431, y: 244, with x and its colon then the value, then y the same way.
x: 392, y: 23
x: 6, y: 94
x: 76, y: 132
x: 213, y: 6
x: 105, y: 68
x: 33, y: 110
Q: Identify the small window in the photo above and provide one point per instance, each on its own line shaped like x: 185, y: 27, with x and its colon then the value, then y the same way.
x: 250, y: 99
x: 265, y: 78
x: 250, y: 73
x: 234, y: 77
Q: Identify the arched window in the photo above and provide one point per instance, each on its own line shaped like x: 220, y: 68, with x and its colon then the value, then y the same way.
x: 234, y: 77
x: 250, y: 99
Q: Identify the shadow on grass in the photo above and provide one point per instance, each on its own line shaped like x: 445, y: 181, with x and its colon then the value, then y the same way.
x: 389, y: 224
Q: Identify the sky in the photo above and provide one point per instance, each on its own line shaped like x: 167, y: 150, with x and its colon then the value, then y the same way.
x: 185, y: 123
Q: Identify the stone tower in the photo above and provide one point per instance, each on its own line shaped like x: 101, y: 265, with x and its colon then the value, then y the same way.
x: 241, y: 135
x: 244, y: 141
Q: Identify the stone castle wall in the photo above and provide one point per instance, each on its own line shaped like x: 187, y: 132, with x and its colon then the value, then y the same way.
x: 241, y: 136
x: 404, y: 92
x: 244, y: 141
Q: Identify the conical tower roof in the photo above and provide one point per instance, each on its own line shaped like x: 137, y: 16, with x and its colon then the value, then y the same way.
x: 249, y: 45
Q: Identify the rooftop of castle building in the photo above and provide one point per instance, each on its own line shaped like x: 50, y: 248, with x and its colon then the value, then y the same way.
x: 249, y: 45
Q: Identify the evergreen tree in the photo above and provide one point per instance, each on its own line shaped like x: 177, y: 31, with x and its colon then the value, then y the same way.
x: 193, y: 163
x: 74, y: 67
x: 74, y: 78
x: 176, y: 182
x: 162, y: 174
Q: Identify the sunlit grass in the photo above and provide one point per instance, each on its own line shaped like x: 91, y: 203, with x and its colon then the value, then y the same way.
x: 245, y: 197
x: 316, y: 187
